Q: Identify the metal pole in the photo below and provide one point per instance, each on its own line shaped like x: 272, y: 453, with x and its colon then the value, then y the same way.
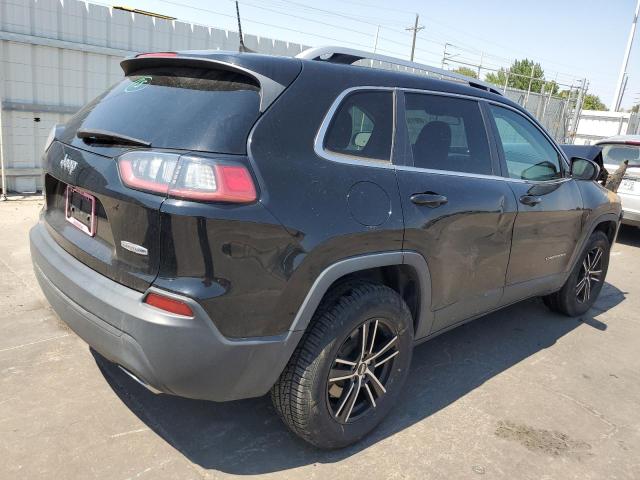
x: 415, y: 30
x: 526, y: 100
x: 578, y: 109
x: 506, y: 82
x: 444, y: 55
x: 620, y: 124
x: 540, y: 104
x: 242, y: 47
x: 546, y: 102
x: 375, y: 43
x: 3, y: 196
x: 624, y: 89
x: 617, y: 96
x: 480, y: 66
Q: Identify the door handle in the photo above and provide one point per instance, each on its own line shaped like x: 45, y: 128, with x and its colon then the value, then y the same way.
x: 530, y: 200
x: 431, y: 200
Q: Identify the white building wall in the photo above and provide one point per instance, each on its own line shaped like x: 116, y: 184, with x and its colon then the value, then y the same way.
x: 56, y: 57
x: 595, y: 125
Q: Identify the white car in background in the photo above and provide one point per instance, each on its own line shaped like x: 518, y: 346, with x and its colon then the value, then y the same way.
x: 616, y: 150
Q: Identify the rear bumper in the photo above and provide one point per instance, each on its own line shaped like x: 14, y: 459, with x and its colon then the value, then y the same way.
x: 188, y: 357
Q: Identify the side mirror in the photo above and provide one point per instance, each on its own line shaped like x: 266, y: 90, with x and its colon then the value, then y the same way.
x: 583, y: 169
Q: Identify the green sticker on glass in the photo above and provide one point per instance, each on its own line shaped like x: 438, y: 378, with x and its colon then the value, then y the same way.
x: 138, y: 84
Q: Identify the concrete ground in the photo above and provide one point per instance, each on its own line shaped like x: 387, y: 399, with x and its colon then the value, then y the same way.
x: 520, y: 394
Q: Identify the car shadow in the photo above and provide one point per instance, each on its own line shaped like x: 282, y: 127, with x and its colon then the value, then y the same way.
x: 628, y: 235
x: 246, y: 437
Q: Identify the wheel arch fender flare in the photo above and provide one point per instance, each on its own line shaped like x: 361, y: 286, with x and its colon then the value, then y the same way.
x: 591, y: 227
x: 350, y: 265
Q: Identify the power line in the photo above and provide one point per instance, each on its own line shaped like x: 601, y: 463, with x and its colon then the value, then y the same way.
x: 248, y: 20
x: 359, y: 18
x: 319, y: 22
x: 415, y: 47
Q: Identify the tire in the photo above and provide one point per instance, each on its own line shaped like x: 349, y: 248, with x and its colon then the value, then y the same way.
x: 313, y: 396
x: 578, y: 295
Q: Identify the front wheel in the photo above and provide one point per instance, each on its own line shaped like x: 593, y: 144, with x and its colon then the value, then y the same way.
x: 349, y: 368
x: 583, y: 286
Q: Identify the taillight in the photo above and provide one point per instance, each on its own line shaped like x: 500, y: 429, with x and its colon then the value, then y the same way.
x: 168, y: 304
x: 187, y: 176
x: 149, y: 171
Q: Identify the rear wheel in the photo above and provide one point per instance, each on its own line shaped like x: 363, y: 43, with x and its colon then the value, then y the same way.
x: 583, y: 286
x: 349, y: 368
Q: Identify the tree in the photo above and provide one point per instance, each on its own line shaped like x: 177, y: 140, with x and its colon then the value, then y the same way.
x: 635, y: 108
x: 593, y: 102
x: 520, y: 74
x: 466, y: 71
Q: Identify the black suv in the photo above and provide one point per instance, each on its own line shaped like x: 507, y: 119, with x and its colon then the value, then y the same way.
x: 223, y: 225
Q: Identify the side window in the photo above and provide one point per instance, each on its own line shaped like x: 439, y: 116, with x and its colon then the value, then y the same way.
x: 527, y: 152
x: 447, y: 133
x: 363, y: 126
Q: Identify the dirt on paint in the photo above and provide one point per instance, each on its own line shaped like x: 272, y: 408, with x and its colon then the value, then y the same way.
x: 544, y: 441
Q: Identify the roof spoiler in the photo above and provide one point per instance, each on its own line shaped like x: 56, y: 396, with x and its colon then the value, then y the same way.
x: 269, y: 88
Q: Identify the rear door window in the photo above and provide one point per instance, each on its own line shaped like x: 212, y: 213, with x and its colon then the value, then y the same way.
x: 362, y: 126
x: 184, y: 108
x: 447, y: 133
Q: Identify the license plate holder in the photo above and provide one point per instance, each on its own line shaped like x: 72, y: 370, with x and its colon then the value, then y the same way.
x: 80, y: 210
x: 628, y: 185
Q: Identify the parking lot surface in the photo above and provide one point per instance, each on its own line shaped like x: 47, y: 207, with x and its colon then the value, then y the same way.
x: 519, y: 394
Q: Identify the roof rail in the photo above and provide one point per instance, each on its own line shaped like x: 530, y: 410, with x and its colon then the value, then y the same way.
x: 349, y: 56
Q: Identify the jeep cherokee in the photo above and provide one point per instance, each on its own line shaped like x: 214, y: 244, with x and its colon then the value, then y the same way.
x: 225, y: 225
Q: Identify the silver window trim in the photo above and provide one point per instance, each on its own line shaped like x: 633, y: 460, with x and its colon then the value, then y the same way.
x: 318, y: 144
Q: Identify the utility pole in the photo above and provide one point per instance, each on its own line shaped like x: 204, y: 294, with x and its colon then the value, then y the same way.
x: 624, y: 88
x: 444, y: 55
x: 617, y: 97
x: 375, y: 44
x: 415, y: 30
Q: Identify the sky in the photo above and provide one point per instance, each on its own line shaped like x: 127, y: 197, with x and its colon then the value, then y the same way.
x: 571, y: 39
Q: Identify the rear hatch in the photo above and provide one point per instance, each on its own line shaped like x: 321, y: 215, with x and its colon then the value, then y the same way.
x: 174, y: 105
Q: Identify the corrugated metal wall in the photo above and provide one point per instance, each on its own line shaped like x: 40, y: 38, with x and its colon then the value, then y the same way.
x: 54, y: 58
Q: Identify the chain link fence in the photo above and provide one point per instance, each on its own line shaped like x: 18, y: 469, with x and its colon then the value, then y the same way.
x: 558, y: 113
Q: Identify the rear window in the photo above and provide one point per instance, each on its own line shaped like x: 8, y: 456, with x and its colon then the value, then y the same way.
x: 363, y: 126
x: 616, y: 154
x: 184, y: 108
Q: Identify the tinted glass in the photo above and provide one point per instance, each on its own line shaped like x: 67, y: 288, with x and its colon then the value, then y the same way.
x: 616, y: 154
x: 527, y: 152
x: 447, y: 133
x: 363, y: 126
x: 185, y: 108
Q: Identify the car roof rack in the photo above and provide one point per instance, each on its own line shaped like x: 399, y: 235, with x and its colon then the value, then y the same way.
x: 349, y: 56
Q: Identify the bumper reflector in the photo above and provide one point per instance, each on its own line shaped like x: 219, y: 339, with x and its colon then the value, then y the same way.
x: 168, y: 304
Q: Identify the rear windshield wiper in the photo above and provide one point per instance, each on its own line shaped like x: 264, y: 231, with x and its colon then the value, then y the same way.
x: 105, y: 136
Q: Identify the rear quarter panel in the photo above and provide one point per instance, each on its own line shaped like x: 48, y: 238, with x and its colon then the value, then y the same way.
x: 309, y: 194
